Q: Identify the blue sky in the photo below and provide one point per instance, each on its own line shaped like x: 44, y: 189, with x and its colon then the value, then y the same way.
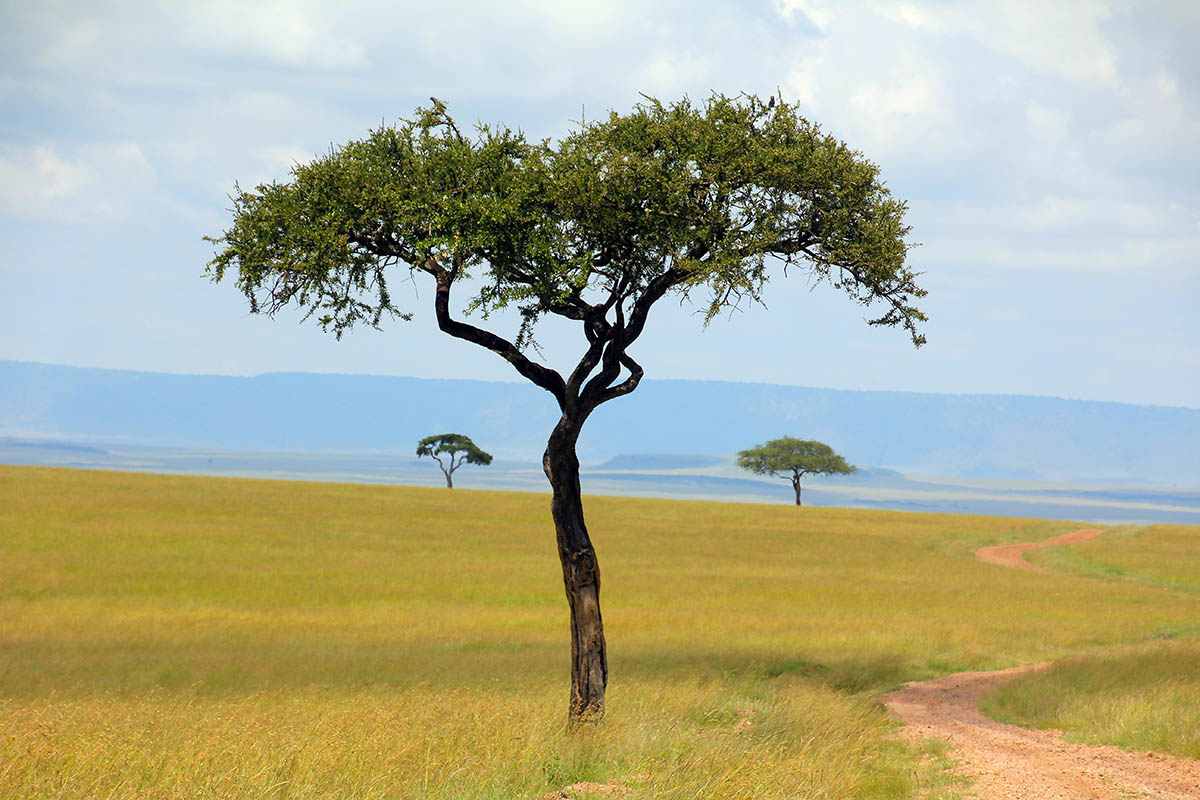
x: 1048, y: 152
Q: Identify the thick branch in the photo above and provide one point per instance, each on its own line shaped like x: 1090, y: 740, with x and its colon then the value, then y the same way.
x: 623, y: 334
x: 788, y: 247
x: 653, y: 293
x: 626, y: 386
x: 599, y: 333
x: 546, y: 378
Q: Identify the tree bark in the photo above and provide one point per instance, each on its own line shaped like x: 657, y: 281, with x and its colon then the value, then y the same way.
x: 581, y: 574
x: 796, y: 486
x: 449, y: 480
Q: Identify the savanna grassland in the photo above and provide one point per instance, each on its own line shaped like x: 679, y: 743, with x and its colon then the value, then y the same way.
x: 1143, y: 697
x: 182, y: 637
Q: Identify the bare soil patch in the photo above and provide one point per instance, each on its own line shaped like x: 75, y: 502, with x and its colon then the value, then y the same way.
x: 1013, y: 555
x: 1008, y: 761
x: 587, y: 789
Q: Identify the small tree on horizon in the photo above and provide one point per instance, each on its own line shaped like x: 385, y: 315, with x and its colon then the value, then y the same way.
x: 458, y: 450
x: 791, y: 459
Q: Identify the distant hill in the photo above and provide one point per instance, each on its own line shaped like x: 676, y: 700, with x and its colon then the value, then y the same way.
x: 977, y: 436
x: 677, y: 477
x: 651, y: 462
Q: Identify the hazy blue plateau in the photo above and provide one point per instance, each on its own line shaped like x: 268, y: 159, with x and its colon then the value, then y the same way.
x: 984, y: 454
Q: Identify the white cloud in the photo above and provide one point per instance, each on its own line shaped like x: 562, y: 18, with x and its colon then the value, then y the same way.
x: 584, y: 19
x: 818, y: 12
x: 664, y: 73
x: 1046, y: 123
x: 880, y: 88
x: 295, y: 34
x: 86, y: 184
x: 1048, y: 147
x: 153, y: 43
x: 1064, y: 38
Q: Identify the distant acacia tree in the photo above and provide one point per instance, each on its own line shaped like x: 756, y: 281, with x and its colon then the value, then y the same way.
x: 457, y: 449
x: 671, y: 199
x: 792, y: 459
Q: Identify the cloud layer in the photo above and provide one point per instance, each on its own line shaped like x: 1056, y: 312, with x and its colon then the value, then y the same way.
x: 1047, y: 152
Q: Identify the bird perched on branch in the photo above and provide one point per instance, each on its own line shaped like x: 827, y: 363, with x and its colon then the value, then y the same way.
x: 441, y: 105
x: 771, y: 102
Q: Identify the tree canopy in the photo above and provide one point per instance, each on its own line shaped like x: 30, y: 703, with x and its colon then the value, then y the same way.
x: 595, y: 228
x: 458, y: 450
x: 696, y: 200
x: 792, y: 459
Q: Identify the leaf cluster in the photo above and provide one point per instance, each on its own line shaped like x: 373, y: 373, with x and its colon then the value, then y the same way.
x: 454, y: 445
x: 793, y: 458
x: 670, y: 198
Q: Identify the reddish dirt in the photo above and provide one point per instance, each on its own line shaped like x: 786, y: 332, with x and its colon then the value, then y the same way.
x: 1008, y: 762
x: 587, y: 789
x: 1013, y: 555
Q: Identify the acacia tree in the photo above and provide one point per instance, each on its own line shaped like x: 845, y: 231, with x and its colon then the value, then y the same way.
x: 792, y: 459
x: 670, y: 199
x: 454, y: 446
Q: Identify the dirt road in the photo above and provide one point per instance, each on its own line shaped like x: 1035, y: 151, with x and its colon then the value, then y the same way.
x: 1008, y: 762
x: 1013, y: 555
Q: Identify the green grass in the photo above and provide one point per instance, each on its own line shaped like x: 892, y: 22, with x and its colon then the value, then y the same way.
x: 197, y: 637
x: 1160, y: 555
x: 1139, y: 698
x: 1143, y: 698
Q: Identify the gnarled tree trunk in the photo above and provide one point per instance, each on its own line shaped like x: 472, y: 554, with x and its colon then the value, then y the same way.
x: 581, y: 574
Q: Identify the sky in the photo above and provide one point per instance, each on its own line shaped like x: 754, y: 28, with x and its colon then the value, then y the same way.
x: 1047, y: 152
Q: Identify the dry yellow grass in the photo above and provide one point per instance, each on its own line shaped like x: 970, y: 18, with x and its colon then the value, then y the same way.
x: 196, y: 637
x: 1141, y: 698
x: 1145, y: 697
x: 1163, y: 555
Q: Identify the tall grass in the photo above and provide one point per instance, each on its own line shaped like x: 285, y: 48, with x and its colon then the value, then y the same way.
x: 707, y: 738
x: 1145, y: 697
x: 197, y: 637
x: 1141, y: 698
x: 1161, y: 555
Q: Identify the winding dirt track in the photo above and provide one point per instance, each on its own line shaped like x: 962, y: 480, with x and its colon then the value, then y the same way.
x: 1013, y: 555
x: 1008, y: 762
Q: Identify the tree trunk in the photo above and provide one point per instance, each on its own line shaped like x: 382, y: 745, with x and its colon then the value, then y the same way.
x: 449, y: 480
x: 796, y: 486
x: 581, y: 574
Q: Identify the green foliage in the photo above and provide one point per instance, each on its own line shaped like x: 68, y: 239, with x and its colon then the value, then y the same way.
x: 669, y: 198
x: 1160, y: 555
x: 1140, y: 698
x: 793, y: 458
x: 453, y: 444
x: 458, y: 450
